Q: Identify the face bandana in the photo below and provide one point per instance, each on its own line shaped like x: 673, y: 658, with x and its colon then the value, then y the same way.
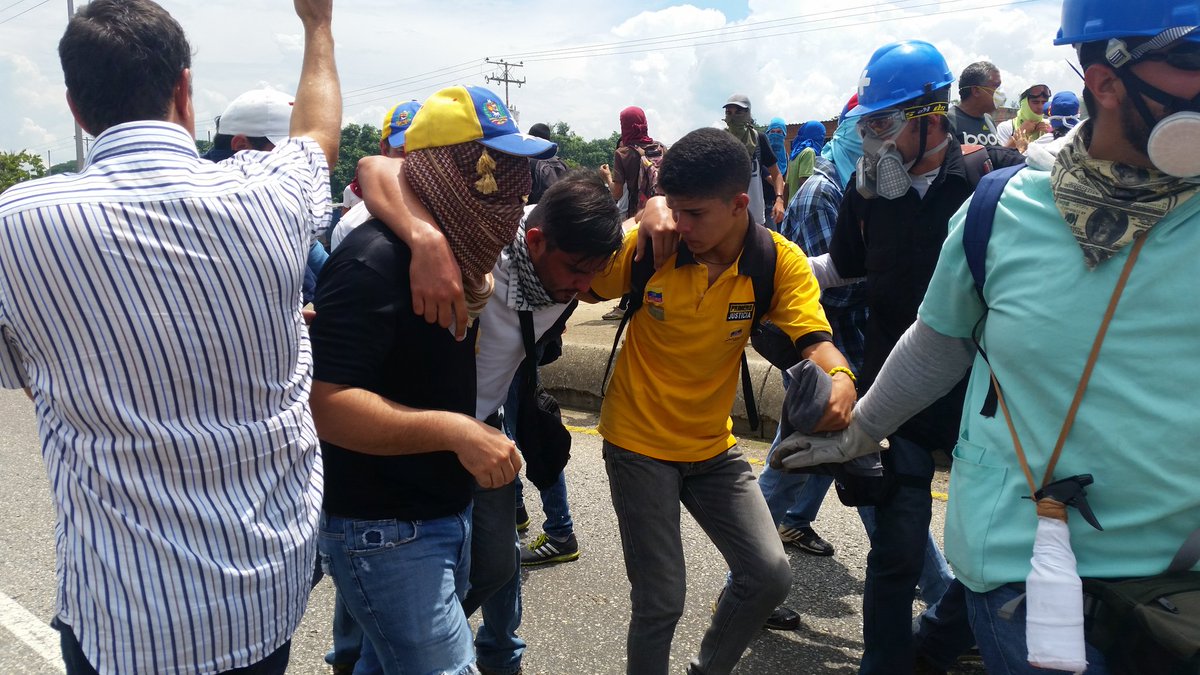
x: 1107, y: 203
x: 741, y: 125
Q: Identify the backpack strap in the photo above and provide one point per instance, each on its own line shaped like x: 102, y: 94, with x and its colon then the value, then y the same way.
x: 977, y: 230
x: 763, y: 283
x: 639, y: 275
x: 1188, y: 555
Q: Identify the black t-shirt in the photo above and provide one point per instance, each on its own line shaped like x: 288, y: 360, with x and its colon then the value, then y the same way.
x: 367, y: 336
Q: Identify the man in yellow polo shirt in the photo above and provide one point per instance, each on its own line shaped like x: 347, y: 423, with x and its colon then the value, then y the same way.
x: 665, y: 418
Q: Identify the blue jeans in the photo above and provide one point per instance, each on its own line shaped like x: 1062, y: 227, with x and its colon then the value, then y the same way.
x: 495, y: 580
x: 793, y: 498
x: 403, y: 582
x: 899, y: 543
x: 1002, y: 642
x: 721, y: 495
x: 554, y: 498
x: 77, y: 664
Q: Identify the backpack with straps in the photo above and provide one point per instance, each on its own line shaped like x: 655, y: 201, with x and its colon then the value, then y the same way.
x: 649, y: 162
x: 763, y: 282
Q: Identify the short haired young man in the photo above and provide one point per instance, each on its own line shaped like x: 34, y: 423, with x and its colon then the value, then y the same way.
x: 665, y: 418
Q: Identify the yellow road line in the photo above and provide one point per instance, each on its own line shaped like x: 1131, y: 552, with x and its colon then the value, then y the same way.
x: 590, y: 431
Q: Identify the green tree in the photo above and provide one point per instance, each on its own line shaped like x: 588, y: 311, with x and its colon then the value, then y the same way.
x: 203, y: 146
x: 358, y: 141
x: 576, y: 152
x: 63, y: 167
x: 16, y: 167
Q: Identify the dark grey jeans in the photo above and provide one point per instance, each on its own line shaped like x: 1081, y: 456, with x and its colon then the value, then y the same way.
x: 723, y: 497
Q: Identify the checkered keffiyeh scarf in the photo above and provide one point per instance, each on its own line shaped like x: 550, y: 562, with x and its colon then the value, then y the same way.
x: 476, y: 197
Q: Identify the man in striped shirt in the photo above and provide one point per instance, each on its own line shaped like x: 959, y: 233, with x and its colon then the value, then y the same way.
x: 150, y: 307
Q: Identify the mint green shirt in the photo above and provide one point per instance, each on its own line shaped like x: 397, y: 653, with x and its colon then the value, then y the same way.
x: 1138, y: 428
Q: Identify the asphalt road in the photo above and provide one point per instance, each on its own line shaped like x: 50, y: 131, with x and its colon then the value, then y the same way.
x: 575, y: 613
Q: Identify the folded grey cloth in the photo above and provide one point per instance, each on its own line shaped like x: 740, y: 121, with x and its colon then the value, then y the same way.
x: 806, y: 398
x: 803, y: 450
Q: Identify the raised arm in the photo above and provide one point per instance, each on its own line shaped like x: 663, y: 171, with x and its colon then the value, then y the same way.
x: 317, y: 113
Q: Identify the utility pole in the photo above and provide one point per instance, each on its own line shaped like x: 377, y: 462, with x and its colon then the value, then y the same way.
x: 505, y: 78
x: 78, y: 131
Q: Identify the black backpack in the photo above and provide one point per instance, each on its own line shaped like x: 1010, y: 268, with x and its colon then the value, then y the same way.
x: 764, y: 289
x: 545, y: 172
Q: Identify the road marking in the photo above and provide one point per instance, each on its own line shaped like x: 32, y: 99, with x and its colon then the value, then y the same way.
x: 590, y: 431
x: 940, y: 496
x: 35, y: 633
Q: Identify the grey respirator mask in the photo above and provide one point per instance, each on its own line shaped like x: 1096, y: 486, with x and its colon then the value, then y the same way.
x: 882, y: 171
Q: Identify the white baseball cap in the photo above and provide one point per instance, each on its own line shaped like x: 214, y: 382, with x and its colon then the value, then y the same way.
x: 258, y: 112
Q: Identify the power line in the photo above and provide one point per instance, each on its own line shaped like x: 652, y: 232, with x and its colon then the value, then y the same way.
x: 457, y: 66
x: 505, y: 78
x: 18, y: 2
x: 415, y: 82
x: 722, y: 30
x: 616, y: 48
x: 22, y: 13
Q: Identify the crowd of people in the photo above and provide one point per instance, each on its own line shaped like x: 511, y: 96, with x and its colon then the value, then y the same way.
x: 925, y: 278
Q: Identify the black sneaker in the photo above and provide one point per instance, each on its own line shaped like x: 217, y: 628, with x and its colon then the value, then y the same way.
x: 805, y: 539
x: 522, y: 518
x: 782, y: 618
x: 545, y: 549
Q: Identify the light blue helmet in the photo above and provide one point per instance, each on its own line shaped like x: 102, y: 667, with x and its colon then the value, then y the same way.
x: 899, y: 72
x: 1095, y: 20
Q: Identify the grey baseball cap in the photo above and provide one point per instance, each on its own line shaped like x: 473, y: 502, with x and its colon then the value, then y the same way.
x: 740, y: 100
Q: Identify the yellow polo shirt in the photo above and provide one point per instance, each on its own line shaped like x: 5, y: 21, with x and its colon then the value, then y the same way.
x: 675, y: 381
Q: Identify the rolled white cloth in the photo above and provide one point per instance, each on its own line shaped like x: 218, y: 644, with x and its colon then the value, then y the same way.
x: 1054, y: 601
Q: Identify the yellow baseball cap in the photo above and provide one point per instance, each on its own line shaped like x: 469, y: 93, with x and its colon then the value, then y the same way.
x: 462, y: 114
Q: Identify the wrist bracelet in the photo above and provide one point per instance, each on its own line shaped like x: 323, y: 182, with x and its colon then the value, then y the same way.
x: 843, y: 369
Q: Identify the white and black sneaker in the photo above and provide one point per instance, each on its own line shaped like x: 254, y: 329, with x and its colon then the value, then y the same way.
x: 546, y: 549
x: 805, y: 539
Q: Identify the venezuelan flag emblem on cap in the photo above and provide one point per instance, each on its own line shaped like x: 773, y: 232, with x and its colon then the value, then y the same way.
x: 397, y: 120
x: 462, y: 114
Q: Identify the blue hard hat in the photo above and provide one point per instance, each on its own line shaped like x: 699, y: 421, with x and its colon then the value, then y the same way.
x: 1093, y: 20
x: 899, y: 72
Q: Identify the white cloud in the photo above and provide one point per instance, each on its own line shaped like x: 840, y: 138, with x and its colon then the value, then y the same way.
x: 799, y: 69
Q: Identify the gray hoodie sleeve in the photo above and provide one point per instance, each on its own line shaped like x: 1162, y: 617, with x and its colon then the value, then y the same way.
x: 826, y: 273
x: 922, y: 368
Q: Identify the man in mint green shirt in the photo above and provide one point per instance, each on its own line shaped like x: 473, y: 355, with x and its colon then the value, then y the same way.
x: 1063, y: 230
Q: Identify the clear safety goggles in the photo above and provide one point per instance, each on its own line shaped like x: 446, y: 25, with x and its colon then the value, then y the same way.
x: 888, y: 123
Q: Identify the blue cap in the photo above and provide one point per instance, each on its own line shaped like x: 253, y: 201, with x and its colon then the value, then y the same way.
x: 397, y: 121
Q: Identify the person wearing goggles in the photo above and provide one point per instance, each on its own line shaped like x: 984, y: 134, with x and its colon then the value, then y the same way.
x: 911, y: 178
x: 1030, y: 122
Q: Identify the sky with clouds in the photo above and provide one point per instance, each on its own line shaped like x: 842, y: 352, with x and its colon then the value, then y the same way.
x: 583, y: 61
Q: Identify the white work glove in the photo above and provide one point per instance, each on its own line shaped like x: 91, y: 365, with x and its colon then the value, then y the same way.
x: 799, y: 451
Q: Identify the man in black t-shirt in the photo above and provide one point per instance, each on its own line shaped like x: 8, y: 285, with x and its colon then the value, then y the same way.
x: 393, y: 396
x: 979, y: 96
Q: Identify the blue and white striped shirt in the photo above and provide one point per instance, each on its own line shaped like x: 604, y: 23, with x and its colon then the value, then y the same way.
x: 151, y: 303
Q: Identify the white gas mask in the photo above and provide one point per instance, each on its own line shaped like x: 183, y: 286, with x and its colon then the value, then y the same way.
x: 1174, y: 139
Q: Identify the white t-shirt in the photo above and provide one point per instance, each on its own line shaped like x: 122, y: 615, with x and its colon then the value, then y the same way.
x: 1004, y: 132
x: 499, y: 349
x: 356, y: 216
